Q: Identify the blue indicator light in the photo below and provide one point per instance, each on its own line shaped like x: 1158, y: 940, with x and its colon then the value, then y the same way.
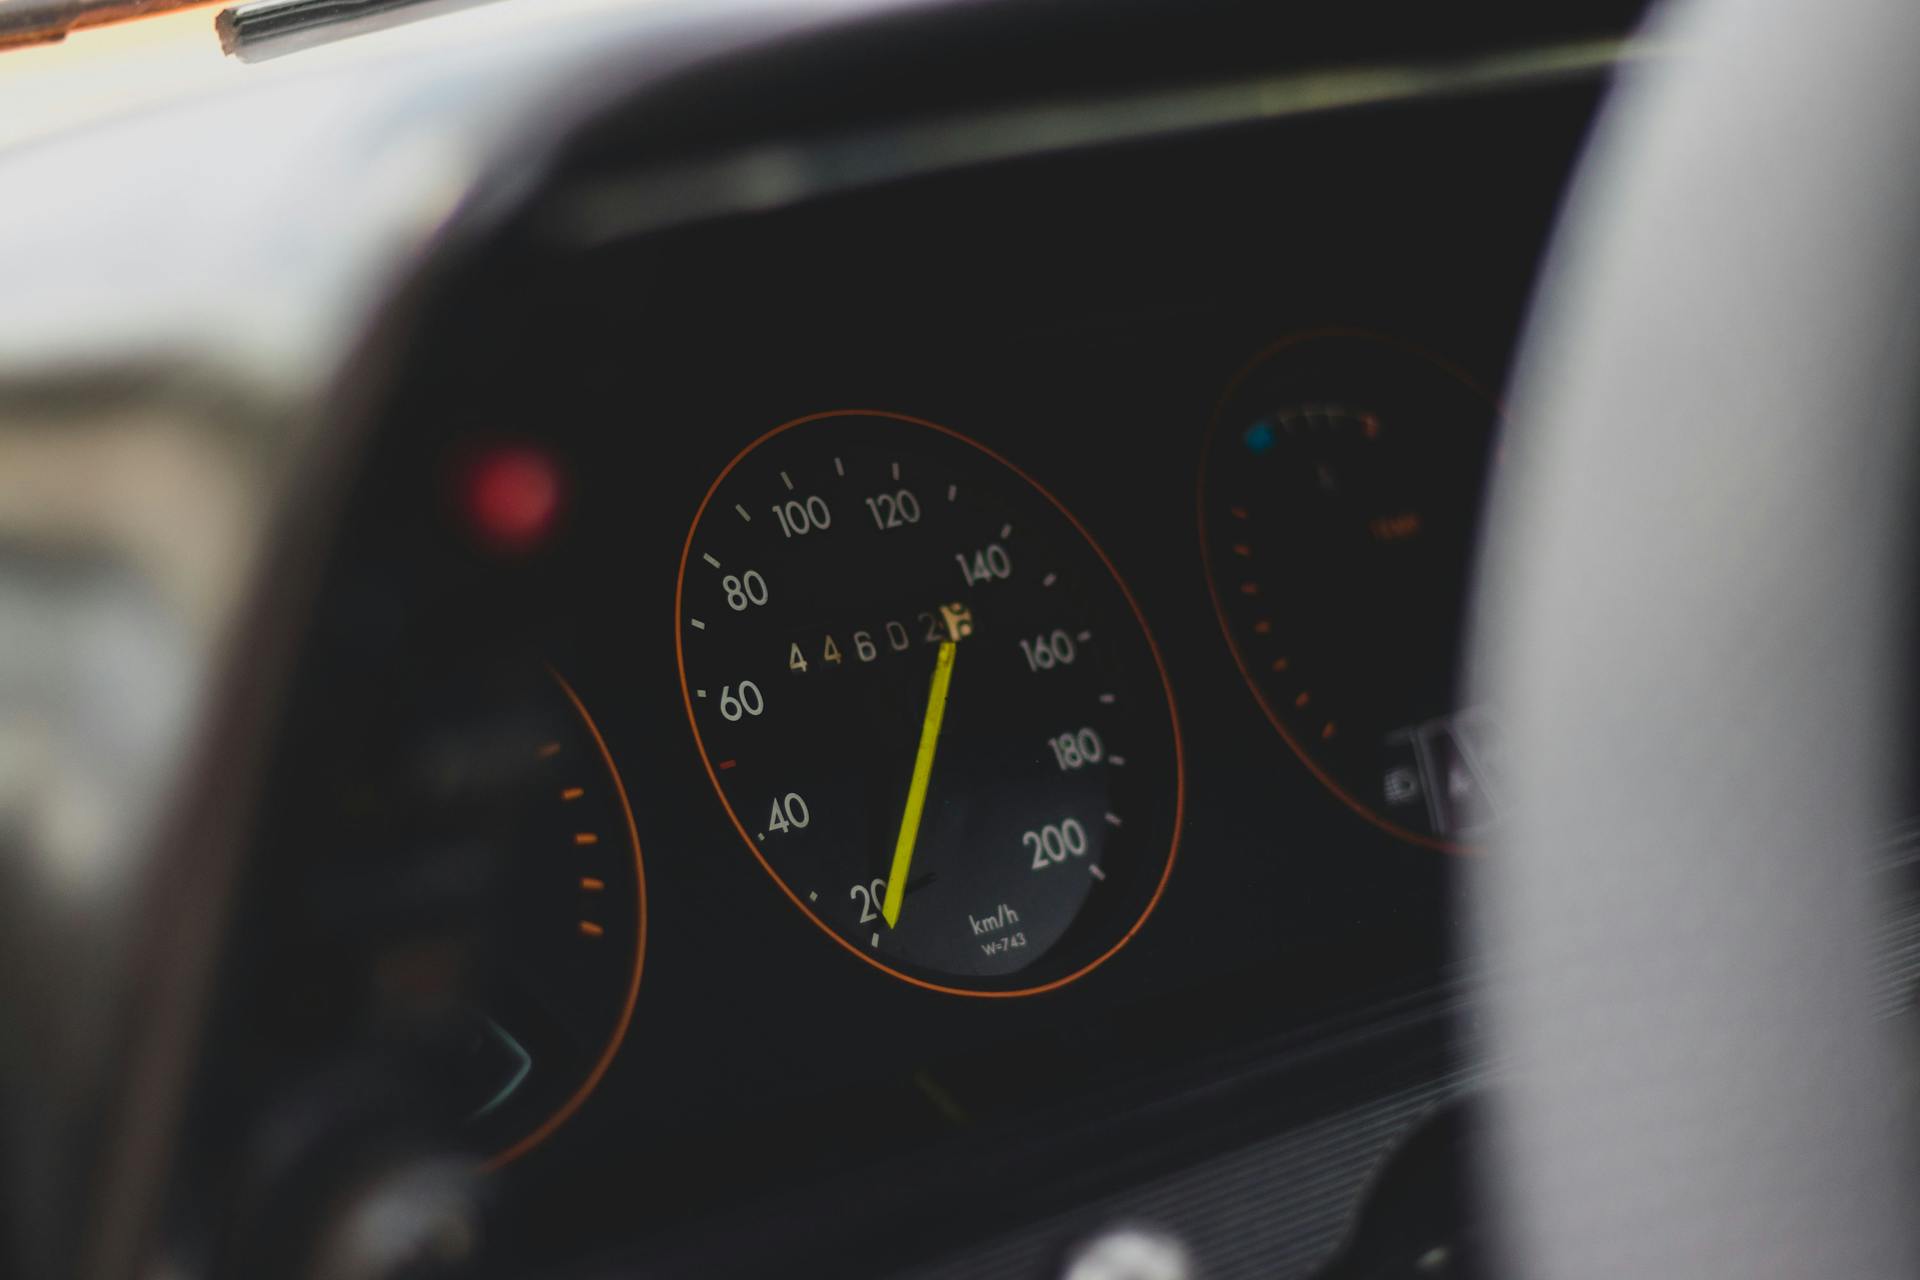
x: 1259, y: 437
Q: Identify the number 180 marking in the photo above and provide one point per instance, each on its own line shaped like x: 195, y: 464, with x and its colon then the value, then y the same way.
x: 1075, y: 748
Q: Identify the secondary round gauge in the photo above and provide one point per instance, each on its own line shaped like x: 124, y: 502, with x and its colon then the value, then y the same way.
x: 929, y: 704
x: 559, y: 964
x: 1339, y: 499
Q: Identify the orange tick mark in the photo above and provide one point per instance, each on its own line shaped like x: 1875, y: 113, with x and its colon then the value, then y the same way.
x: 1263, y: 626
x: 590, y: 929
x: 1279, y: 664
x: 1242, y: 549
x: 585, y: 837
x: 1302, y: 700
x: 728, y: 764
x: 548, y: 749
x: 1239, y: 513
x: 1395, y: 527
x: 592, y: 884
x: 573, y: 793
x: 1249, y: 588
x: 1326, y: 730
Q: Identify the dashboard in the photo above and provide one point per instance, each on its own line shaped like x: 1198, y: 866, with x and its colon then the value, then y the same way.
x: 891, y: 721
x: 910, y: 690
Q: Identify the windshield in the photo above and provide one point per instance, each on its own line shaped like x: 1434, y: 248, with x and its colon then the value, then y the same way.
x: 95, y: 62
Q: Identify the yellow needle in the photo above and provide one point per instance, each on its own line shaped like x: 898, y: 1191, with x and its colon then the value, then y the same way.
x: 917, y: 790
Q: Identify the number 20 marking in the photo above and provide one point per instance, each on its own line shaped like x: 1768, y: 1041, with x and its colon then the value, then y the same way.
x: 869, y: 896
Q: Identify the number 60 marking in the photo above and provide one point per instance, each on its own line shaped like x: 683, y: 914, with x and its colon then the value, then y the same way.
x: 741, y: 700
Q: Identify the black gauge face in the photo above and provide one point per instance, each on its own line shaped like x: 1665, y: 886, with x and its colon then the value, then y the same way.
x: 929, y: 704
x: 1340, y: 497
x: 538, y: 819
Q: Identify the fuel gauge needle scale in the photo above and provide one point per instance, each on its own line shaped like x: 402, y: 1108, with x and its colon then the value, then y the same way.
x: 917, y: 789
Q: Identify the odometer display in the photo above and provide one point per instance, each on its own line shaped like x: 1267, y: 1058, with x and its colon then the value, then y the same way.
x: 929, y: 704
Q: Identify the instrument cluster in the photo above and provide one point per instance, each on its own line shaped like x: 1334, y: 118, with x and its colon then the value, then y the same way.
x: 906, y: 687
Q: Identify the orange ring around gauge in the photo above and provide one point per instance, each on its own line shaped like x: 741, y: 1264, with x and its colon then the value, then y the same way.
x: 1299, y: 749
x: 565, y: 1110
x: 1166, y: 685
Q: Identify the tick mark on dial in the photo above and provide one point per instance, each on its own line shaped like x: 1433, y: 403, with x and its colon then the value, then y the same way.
x: 839, y: 467
x: 1113, y: 819
x: 743, y: 513
x: 953, y: 491
x: 786, y: 480
x: 896, y: 471
x: 1096, y: 873
x: 1106, y: 699
x: 697, y: 624
x: 1050, y: 579
x: 1006, y: 531
x: 708, y: 557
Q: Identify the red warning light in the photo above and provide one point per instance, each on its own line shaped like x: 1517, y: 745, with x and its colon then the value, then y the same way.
x: 512, y: 496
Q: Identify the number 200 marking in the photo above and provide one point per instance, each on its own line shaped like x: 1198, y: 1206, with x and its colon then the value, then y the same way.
x: 1055, y: 841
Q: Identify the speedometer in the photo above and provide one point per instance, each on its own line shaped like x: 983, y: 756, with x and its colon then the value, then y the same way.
x: 929, y: 704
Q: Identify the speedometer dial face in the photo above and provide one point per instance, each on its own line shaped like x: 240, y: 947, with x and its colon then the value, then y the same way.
x: 929, y: 704
x: 1339, y: 499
